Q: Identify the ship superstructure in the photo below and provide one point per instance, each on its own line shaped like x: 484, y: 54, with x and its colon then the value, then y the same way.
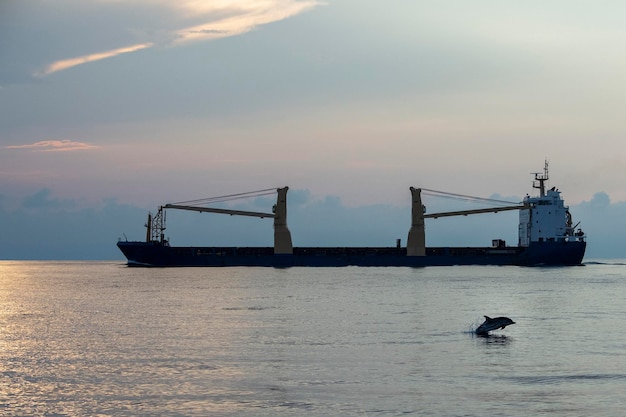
x: 546, y: 218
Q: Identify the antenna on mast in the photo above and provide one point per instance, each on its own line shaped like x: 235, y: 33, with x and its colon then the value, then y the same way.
x: 540, y: 180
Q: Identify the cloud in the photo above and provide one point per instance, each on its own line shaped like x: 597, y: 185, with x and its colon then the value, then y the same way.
x: 55, y: 146
x: 72, y: 62
x: 253, y: 14
x: 43, y: 199
x: 223, y: 19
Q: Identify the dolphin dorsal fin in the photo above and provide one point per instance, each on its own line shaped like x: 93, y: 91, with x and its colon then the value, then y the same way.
x: 488, y: 318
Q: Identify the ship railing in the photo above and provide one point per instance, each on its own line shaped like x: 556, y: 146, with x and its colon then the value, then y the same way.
x: 579, y: 237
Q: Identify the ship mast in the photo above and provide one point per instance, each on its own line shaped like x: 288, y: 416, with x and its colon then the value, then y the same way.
x: 156, y: 226
x: 540, y: 180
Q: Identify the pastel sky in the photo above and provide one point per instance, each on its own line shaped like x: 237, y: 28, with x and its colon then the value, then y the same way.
x: 152, y: 101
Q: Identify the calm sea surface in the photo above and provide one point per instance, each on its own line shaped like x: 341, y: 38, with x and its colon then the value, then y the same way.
x: 102, y: 339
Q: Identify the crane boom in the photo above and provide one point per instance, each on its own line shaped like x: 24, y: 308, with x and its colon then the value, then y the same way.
x: 282, y: 236
x: 476, y: 211
x: 222, y: 211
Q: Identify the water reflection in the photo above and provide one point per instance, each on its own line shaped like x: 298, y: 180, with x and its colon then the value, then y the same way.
x: 493, y: 339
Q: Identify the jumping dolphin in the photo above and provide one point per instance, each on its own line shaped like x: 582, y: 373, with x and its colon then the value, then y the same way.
x: 493, y: 324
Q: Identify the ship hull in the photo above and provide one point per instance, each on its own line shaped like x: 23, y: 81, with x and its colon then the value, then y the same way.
x: 153, y: 254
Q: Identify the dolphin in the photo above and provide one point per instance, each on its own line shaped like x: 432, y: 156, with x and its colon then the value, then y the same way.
x: 493, y: 324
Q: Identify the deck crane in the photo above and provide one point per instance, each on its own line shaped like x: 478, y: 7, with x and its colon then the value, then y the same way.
x: 416, y: 242
x: 282, y: 236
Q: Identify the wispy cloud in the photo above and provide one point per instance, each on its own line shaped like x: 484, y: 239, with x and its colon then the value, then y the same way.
x: 224, y: 18
x: 65, y: 145
x: 251, y: 15
x: 72, y: 62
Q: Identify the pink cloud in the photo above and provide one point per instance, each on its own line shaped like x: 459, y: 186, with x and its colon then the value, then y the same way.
x: 55, y: 146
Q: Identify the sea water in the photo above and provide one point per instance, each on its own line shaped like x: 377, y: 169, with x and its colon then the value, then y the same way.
x: 103, y: 339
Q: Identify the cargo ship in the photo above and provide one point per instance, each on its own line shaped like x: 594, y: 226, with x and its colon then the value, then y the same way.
x: 547, y: 236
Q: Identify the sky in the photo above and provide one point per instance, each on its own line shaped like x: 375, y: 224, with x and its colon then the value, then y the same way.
x: 109, y: 109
